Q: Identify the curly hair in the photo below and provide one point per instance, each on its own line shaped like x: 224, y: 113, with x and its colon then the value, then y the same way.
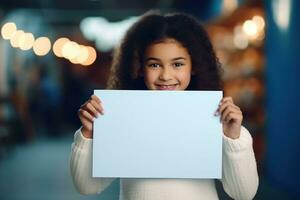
x: 153, y: 27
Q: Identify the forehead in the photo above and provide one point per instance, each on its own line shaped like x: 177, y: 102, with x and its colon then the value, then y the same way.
x: 168, y: 48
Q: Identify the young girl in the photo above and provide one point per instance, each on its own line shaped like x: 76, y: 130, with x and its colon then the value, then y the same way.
x: 169, y: 52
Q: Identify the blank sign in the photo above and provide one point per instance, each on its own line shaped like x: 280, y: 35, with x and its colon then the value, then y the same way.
x: 158, y: 134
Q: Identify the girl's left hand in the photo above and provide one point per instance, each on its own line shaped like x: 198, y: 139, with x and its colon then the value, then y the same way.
x: 231, y: 117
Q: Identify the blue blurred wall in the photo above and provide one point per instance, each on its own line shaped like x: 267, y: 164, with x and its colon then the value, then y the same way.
x: 283, y: 99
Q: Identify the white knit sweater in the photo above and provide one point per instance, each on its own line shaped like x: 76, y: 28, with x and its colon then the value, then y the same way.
x: 240, y: 178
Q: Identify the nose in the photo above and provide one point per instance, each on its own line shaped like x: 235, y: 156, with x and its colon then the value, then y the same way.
x: 165, y: 75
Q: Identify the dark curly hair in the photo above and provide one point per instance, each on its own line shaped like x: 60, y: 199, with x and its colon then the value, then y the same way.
x: 153, y: 27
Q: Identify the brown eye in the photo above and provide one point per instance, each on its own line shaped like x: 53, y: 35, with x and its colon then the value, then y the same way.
x: 178, y: 64
x: 154, y: 65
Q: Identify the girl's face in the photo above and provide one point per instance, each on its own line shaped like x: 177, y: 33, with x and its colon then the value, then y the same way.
x: 167, y: 66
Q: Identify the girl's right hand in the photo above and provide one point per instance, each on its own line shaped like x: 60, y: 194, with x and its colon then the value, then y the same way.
x: 87, y: 113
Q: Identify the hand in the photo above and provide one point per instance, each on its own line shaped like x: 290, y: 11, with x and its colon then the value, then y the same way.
x: 87, y: 112
x: 231, y: 117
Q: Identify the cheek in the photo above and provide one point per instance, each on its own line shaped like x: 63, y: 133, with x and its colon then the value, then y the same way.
x: 150, y: 76
x: 185, y: 77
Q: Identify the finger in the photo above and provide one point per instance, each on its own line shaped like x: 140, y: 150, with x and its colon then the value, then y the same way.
x: 226, y: 99
x: 233, y: 117
x: 228, y: 110
x: 223, y: 106
x: 98, y: 106
x: 83, y: 114
x: 91, y: 109
x: 229, y: 105
x: 94, y: 97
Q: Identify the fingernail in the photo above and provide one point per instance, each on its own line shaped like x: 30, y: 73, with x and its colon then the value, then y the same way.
x: 216, y: 113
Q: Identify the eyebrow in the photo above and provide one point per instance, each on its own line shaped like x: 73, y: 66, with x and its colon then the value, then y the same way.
x: 157, y: 59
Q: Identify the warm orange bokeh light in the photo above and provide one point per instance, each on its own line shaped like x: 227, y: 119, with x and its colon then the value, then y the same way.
x: 259, y: 21
x: 15, y: 39
x: 8, y: 30
x: 58, y: 45
x: 42, y: 46
x: 91, y: 58
x: 250, y: 28
x: 83, y: 55
x: 26, y: 41
x: 70, y: 50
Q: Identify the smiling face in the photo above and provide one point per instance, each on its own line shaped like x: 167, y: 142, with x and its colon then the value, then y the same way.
x: 167, y: 66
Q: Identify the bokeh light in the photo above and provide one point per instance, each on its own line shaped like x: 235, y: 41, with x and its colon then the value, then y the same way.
x: 91, y: 58
x: 8, y: 30
x: 42, y: 46
x: 15, y: 39
x: 229, y: 6
x: 250, y: 28
x: 58, y: 45
x: 240, y: 39
x: 259, y: 21
x: 26, y: 41
x: 84, y: 54
x: 70, y: 50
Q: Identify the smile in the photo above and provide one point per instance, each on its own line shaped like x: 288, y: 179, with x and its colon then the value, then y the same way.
x: 167, y: 87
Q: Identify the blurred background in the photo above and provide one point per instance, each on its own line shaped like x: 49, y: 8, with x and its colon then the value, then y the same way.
x: 53, y: 53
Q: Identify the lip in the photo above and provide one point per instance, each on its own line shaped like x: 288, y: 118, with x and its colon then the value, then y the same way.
x: 167, y: 87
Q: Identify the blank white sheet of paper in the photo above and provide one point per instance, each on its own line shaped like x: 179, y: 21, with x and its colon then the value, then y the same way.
x: 158, y: 134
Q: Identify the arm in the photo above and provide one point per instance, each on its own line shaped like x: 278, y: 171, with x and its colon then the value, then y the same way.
x: 240, y: 178
x: 81, y: 167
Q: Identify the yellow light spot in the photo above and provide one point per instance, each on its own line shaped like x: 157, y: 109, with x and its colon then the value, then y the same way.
x: 70, y: 50
x: 58, y: 45
x: 229, y: 6
x: 15, y: 39
x: 261, y: 36
x: 8, y: 30
x: 42, y: 46
x: 26, y: 41
x: 250, y: 28
x: 91, y: 58
x: 240, y: 41
x: 259, y: 21
x: 82, y: 56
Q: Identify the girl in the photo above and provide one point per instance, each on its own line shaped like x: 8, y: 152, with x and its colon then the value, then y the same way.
x: 169, y: 52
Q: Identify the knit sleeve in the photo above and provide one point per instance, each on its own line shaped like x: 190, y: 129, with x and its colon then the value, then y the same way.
x: 81, y: 167
x: 240, y: 177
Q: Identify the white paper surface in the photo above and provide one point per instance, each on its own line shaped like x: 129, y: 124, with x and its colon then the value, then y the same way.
x: 158, y: 134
